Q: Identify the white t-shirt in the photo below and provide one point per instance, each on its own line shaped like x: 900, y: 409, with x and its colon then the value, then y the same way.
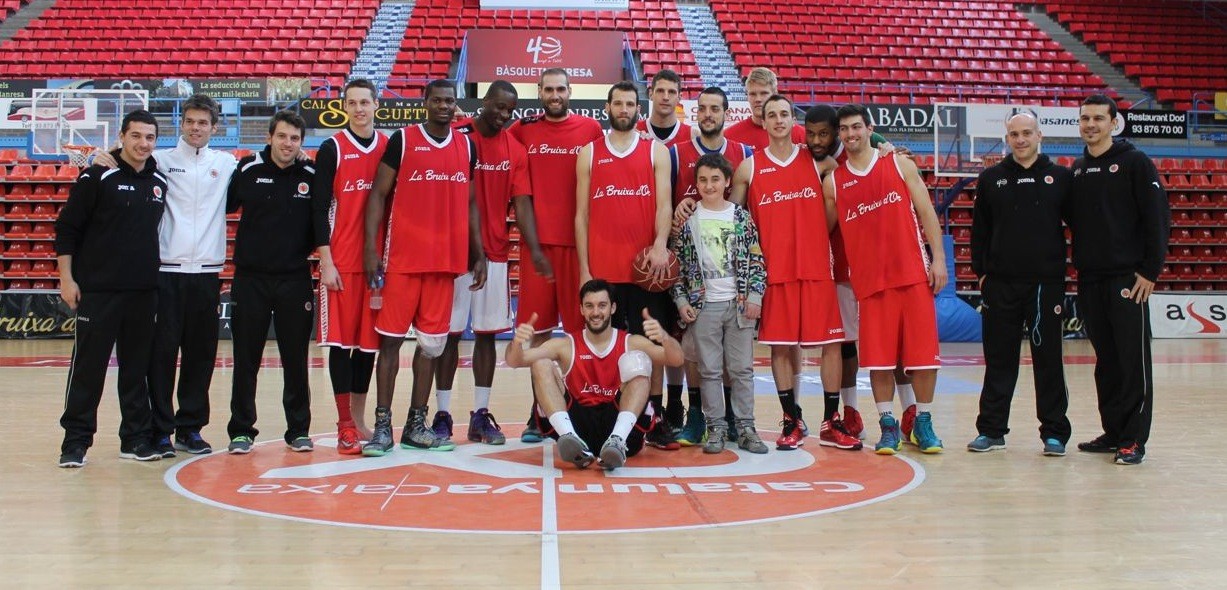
x: 715, y: 232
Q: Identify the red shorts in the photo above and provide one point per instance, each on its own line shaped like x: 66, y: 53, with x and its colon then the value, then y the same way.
x: 800, y: 312
x: 549, y: 300
x: 899, y: 328
x: 420, y: 301
x: 346, y: 319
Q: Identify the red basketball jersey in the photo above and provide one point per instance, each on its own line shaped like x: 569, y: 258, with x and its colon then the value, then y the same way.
x: 745, y: 131
x: 679, y: 135
x: 785, y: 200
x: 428, y: 229
x: 686, y: 154
x: 838, y: 255
x: 594, y: 377
x: 881, y: 233
x: 501, y: 173
x: 356, y: 167
x: 621, y: 208
x: 552, y: 147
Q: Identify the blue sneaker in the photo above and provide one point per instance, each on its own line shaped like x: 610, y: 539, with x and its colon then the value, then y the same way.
x: 695, y: 431
x: 923, y: 435
x: 984, y: 444
x: 1053, y: 448
x: 892, y: 437
x: 531, y: 434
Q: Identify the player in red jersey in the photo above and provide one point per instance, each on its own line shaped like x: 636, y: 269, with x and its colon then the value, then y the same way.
x: 622, y: 182
x: 592, y: 385
x: 433, y: 235
x: 890, y: 272
x: 780, y: 186
x: 822, y: 139
x: 712, y: 104
x: 344, y: 174
x: 664, y: 125
x: 760, y: 84
x: 552, y: 140
x: 502, y: 181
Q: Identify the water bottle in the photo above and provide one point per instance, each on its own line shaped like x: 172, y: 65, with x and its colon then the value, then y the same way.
x: 377, y: 290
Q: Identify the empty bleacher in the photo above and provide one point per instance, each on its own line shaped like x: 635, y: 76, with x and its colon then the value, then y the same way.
x: 160, y: 38
x: 897, y: 51
x: 1168, y: 47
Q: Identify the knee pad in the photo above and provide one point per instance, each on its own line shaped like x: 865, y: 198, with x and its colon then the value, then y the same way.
x: 848, y: 350
x: 634, y: 363
x: 431, y: 346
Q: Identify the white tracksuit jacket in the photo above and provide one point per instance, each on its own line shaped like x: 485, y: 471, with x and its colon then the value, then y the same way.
x: 192, y: 236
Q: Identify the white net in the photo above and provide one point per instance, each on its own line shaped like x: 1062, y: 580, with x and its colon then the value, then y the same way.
x: 79, y: 155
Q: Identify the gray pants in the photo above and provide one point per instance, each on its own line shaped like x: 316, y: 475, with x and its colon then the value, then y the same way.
x: 725, y: 340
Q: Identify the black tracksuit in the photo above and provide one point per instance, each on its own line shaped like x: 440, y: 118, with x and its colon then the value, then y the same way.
x: 280, y: 226
x: 109, y: 227
x: 1018, y: 249
x: 1120, y: 219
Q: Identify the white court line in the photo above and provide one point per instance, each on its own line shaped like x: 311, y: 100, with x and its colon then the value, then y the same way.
x: 551, y: 578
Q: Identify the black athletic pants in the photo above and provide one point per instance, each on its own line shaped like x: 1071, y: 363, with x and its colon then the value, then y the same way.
x: 187, y: 320
x: 287, y: 304
x: 1119, y: 330
x: 122, y: 320
x: 1009, y: 308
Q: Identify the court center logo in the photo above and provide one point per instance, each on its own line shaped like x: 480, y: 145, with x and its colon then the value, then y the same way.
x: 522, y: 488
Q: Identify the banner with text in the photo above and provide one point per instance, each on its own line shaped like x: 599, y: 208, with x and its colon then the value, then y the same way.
x: 589, y: 57
x: 329, y: 113
x: 620, y: 5
x: 988, y: 120
x: 1188, y: 315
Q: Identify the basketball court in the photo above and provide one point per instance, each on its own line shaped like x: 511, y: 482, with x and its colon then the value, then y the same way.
x: 513, y: 517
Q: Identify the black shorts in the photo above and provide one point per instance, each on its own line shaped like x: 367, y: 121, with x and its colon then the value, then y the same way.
x: 594, y: 424
x: 632, y: 299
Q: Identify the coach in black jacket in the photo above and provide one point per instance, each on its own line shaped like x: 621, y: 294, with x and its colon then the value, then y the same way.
x: 280, y: 225
x: 106, y: 243
x: 1120, y: 221
x: 1018, y: 250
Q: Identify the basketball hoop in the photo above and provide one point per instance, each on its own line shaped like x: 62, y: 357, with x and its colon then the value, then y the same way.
x: 79, y: 154
x: 990, y: 160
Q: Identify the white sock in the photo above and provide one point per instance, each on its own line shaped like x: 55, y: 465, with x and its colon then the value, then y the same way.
x: 885, y: 408
x: 481, y: 398
x: 922, y: 407
x: 626, y: 421
x: 848, y: 395
x: 445, y: 400
x: 796, y: 386
x: 561, y: 421
x: 906, y: 396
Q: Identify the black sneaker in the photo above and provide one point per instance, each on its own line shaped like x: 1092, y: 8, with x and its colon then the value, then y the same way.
x: 675, y: 417
x: 381, y: 439
x: 1101, y: 444
x: 192, y: 443
x: 661, y: 437
x: 141, y: 451
x: 164, y: 447
x: 74, y: 457
x: 1132, y: 454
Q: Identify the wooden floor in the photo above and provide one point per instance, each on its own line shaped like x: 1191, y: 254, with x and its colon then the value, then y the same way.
x: 1010, y: 519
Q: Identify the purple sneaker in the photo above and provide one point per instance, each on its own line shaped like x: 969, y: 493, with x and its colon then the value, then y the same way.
x: 442, y: 425
x: 484, y: 428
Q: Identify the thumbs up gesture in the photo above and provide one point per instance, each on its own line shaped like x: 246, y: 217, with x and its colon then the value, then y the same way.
x: 525, y: 332
x: 652, y: 329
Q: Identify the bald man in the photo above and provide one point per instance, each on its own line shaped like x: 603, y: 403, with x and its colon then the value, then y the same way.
x: 1018, y: 251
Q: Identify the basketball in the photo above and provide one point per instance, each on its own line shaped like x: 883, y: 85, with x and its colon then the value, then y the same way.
x: 641, y: 272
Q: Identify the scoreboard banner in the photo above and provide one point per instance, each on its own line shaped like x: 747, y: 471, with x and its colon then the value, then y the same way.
x: 589, y: 57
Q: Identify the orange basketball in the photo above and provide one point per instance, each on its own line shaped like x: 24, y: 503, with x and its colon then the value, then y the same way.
x: 641, y: 272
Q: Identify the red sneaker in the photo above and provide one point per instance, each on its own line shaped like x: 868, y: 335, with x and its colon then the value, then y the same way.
x: 853, y: 423
x: 909, y: 419
x: 347, y: 439
x: 833, y: 434
x: 792, y: 435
